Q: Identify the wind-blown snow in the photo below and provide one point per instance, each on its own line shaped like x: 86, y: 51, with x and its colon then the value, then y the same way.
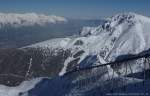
x: 28, y: 19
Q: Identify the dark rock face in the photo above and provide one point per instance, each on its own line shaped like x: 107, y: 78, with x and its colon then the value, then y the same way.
x: 17, y: 65
x: 78, y: 42
x: 79, y: 53
x: 13, y: 66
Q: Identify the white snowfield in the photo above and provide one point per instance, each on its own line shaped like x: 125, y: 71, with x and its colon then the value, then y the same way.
x: 23, y: 87
x: 53, y: 43
x: 28, y: 19
x: 122, y: 34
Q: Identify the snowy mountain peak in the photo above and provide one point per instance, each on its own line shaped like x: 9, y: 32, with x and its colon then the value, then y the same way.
x: 113, y: 22
x: 130, y: 18
x: 124, y: 17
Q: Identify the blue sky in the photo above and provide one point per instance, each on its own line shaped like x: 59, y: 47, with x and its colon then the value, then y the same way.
x: 77, y: 8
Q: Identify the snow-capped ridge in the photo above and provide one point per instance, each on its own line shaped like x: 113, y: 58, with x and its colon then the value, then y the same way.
x: 52, y: 43
x: 111, y: 23
x: 130, y: 18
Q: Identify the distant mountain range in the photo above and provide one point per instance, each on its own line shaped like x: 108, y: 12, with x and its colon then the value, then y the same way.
x: 28, y: 19
x: 18, y: 30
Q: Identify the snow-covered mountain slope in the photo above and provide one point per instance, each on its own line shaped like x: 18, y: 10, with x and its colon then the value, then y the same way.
x: 53, y: 43
x: 28, y: 19
x: 23, y: 87
x: 122, y: 34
